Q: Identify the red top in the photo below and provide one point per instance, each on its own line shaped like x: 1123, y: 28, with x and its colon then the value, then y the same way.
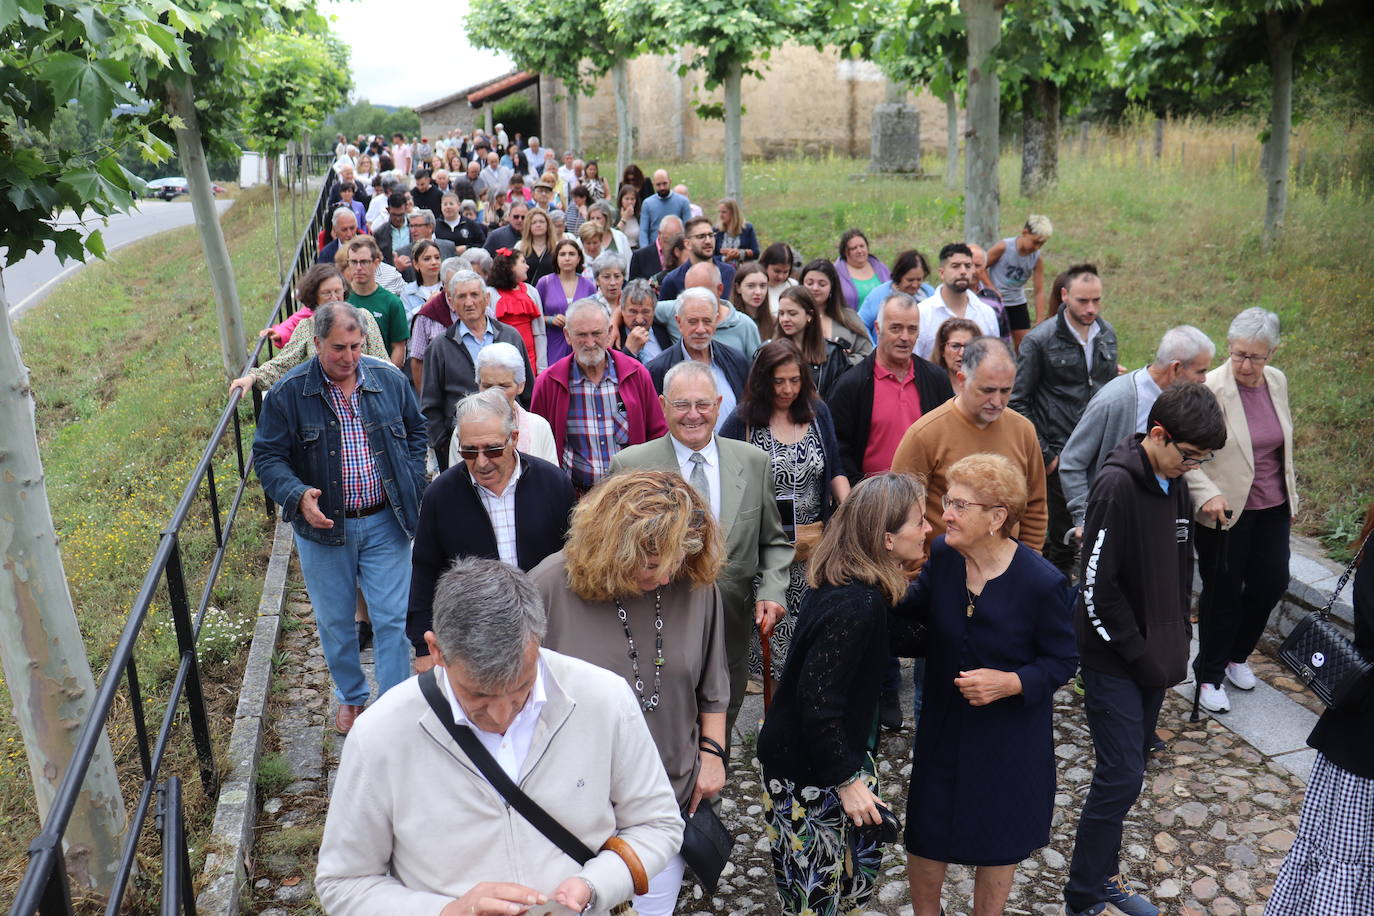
x: 896, y: 405
x: 515, y: 308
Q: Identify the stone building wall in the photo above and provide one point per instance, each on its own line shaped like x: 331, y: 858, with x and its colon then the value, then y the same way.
x: 458, y: 113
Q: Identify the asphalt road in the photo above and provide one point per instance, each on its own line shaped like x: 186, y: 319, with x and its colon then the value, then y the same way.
x: 32, y: 279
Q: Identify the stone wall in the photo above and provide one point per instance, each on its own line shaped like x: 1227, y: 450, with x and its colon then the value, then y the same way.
x: 808, y: 102
x: 458, y: 113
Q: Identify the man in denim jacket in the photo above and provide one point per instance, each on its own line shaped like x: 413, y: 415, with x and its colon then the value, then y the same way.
x: 340, y: 446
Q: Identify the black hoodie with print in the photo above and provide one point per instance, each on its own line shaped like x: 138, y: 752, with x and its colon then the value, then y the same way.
x: 1137, y: 569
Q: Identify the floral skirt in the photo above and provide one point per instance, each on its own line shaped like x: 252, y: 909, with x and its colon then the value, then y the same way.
x: 820, y: 866
x: 1329, y: 870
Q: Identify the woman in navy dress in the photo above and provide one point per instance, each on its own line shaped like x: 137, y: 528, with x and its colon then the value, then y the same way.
x: 1000, y: 642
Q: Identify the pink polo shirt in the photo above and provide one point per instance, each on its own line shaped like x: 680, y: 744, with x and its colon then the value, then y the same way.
x: 896, y: 405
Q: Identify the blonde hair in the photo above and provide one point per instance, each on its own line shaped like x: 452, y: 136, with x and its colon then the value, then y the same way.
x: 632, y: 516
x: 854, y: 549
x: 527, y: 237
x: 734, y: 222
x: 994, y: 480
x: 1039, y: 225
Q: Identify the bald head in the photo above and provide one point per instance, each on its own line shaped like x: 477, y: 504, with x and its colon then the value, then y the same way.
x: 705, y: 275
x: 662, y: 187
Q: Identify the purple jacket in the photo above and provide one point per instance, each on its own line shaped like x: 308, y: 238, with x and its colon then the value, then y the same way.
x: 642, y: 409
x: 851, y: 295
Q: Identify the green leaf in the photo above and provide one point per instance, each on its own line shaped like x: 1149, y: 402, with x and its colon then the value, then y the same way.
x: 95, y: 244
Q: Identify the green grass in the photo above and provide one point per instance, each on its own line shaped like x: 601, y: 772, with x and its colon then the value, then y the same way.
x: 1174, y: 246
x: 127, y: 377
x: 274, y: 773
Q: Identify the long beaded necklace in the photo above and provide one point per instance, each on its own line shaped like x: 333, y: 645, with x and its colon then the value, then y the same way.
x: 649, y: 703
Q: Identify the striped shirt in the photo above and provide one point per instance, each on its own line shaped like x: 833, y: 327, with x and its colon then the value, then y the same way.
x: 362, y: 483
x: 501, y: 511
x: 597, y: 426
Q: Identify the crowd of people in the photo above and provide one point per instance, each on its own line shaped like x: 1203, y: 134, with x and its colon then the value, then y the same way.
x: 636, y: 456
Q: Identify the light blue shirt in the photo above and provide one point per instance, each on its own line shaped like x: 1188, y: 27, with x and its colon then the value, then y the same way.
x: 473, y: 344
x: 653, y: 211
x: 868, y: 311
x: 727, y: 398
x: 1146, y: 392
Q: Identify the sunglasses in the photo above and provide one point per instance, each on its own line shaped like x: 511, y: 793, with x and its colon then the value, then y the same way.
x: 470, y: 452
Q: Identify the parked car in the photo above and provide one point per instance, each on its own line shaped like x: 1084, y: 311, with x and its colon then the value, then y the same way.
x: 168, y: 188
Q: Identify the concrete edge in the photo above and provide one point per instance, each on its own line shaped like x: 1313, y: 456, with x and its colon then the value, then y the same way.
x: 225, y: 875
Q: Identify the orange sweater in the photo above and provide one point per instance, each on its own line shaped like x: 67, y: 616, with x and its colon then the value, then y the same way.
x: 946, y: 434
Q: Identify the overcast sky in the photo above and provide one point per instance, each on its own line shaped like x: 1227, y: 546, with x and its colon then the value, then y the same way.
x: 395, y: 70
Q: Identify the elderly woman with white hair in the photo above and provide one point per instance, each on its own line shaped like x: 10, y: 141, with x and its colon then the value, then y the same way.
x: 602, y: 213
x: 500, y: 366
x: 1244, y: 502
x: 608, y: 273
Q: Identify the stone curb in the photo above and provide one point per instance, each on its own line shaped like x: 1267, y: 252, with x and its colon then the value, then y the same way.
x: 1312, y: 579
x: 225, y: 876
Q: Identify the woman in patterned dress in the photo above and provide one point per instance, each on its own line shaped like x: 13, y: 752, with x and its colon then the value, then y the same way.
x: 780, y: 413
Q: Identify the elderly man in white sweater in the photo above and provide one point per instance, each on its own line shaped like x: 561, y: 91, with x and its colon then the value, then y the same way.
x: 415, y: 828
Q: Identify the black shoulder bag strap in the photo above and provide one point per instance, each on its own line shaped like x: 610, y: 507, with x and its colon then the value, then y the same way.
x: 542, y: 821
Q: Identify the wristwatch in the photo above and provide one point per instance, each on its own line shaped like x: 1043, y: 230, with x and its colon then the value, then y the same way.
x: 591, y: 901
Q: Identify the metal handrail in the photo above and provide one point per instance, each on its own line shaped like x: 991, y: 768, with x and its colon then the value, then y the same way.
x: 44, y: 888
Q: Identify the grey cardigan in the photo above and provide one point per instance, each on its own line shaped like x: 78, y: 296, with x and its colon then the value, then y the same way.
x: 1108, y: 418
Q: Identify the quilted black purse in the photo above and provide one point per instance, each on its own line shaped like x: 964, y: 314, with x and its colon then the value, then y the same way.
x: 1324, y: 660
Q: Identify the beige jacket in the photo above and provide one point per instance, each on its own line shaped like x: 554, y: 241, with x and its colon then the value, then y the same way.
x: 1233, y: 471
x: 413, y: 825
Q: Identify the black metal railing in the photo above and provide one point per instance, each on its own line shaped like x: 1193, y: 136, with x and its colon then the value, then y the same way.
x: 45, y: 888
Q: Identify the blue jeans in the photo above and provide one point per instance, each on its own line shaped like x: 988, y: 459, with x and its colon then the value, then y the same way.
x: 376, y: 556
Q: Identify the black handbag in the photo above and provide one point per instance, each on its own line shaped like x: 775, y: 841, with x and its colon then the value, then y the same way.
x: 887, y: 830
x: 706, y: 845
x: 1324, y: 660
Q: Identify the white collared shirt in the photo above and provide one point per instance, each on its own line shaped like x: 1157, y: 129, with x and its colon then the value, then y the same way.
x: 1087, y: 345
x: 712, y: 455
x: 1146, y: 392
x: 510, y: 749
x: 934, y: 312
x: 501, y: 512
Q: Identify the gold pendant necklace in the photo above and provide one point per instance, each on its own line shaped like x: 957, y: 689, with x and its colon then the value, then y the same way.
x: 971, y: 599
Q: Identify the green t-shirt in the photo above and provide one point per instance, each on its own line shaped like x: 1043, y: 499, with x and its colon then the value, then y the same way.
x: 386, y: 307
x: 861, y: 287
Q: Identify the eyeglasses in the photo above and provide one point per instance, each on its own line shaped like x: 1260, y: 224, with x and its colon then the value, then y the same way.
x: 470, y: 452
x: 702, y: 235
x: 954, y: 345
x: 684, y: 406
x: 353, y: 263
x: 1254, y: 358
x: 1191, y: 461
x: 960, y: 506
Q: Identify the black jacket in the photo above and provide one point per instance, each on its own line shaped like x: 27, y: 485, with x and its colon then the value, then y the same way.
x: 1137, y: 572
x: 1053, y: 384
x: 851, y: 404
x: 501, y: 237
x: 361, y: 193
x: 432, y: 200
x: 724, y: 357
x: 453, y: 523
x: 468, y: 232
x: 450, y: 374
x: 660, y: 332
x: 644, y: 263
x: 1347, y: 737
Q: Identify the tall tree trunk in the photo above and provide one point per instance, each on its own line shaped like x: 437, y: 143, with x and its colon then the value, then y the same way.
x: 276, y: 229
x: 1283, y: 38
x: 952, y: 140
x: 981, y: 194
x: 1159, y: 139
x: 574, y: 120
x: 734, y: 169
x: 232, y: 340
x: 625, y: 141
x: 44, y: 657
x: 1039, y: 136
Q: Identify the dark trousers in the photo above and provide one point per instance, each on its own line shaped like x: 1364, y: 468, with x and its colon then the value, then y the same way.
x: 1121, y: 717
x: 1244, y: 574
x: 1063, y: 556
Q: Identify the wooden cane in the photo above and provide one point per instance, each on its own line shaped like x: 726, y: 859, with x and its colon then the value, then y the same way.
x: 767, y: 650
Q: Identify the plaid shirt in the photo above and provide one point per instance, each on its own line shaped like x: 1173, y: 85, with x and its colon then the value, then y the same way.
x: 362, y: 483
x: 597, y: 426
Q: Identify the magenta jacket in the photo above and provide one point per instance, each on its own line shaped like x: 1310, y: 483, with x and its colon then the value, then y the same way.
x: 851, y: 295
x: 288, y: 327
x: 636, y: 390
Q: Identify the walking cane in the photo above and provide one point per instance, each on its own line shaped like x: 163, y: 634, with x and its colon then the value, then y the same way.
x: 1218, y: 569
x: 766, y: 650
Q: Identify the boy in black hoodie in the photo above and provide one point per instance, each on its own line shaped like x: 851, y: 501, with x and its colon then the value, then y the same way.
x: 1132, y: 622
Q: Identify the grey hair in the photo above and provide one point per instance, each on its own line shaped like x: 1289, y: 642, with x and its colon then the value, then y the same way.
x: 449, y: 267
x: 448, y: 194
x: 335, y: 313
x: 477, y: 256
x: 463, y: 276
x: 341, y: 211
x: 500, y: 355
x: 1183, y: 344
x: 698, y: 292
x: 977, y: 350
x: 489, y: 403
x: 605, y: 207
x: 903, y: 300
x: 468, y: 204
x: 606, y: 261
x: 638, y: 290
x: 485, y: 615
x: 1255, y: 324
x: 423, y: 215
x: 690, y: 368
x: 583, y: 305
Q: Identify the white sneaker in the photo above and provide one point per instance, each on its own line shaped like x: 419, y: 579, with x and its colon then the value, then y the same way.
x: 1213, y: 699
x: 1239, y: 673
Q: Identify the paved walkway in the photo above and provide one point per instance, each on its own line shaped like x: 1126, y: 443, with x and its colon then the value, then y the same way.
x: 1219, y: 811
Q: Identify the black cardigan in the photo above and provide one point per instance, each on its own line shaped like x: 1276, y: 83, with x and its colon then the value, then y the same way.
x: 817, y: 731
x: 851, y: 404
x: 453, y: 523
x: 1347, y: 738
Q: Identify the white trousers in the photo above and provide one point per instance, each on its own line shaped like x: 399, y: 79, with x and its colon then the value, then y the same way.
x: 663, y: 890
